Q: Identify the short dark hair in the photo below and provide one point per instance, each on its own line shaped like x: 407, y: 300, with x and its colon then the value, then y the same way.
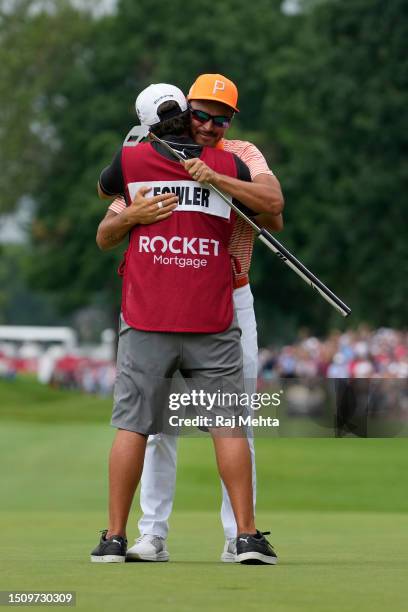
x: 172, y: 120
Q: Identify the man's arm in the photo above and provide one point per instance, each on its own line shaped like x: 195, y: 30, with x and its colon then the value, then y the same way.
x: 115, y: 227
x: 112, y: 230
x: 102, y: 194
x: 111, y: 182
x: 270, y: 221
x: 262, y: 196
x: 274, y: 223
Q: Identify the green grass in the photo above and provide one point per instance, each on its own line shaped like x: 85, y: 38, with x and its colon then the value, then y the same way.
x: 337, y: 509
x: 24, y: 400
x: 328, y: 562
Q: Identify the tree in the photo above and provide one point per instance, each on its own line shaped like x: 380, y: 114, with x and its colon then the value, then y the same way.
x: 323, y: 93
x: 335, y: 103
x: 37, y: 50
x: 98, y: 94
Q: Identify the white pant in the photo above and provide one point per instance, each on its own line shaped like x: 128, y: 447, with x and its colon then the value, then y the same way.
x: 159, y: 472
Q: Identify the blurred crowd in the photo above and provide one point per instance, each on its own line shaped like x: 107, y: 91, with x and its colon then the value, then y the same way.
x: 381, y: 354
x: 363, y: 353
x: 82, y: 373
x: 85, y: 369
x: 369, y: 368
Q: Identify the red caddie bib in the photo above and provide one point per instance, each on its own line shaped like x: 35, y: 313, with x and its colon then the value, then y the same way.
x: 177, y: 275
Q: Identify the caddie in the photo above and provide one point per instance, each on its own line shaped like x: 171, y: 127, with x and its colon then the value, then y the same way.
x: 216, y: 94
x: 176, y: 316
x: 213, y: 101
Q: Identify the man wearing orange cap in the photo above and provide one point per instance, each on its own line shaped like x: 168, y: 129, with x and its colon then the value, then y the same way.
x: 213, y: 102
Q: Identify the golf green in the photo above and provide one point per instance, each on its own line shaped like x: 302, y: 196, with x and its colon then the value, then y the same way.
x: 328, y: 562
x: 337, y: 510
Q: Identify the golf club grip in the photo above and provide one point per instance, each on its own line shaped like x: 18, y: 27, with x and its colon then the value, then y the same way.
x: 290, y: 260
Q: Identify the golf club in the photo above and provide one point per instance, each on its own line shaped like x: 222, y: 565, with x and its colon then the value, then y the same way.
x: 137, y: 133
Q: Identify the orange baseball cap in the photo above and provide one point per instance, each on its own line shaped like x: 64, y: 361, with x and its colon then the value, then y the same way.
x: 214, y: 87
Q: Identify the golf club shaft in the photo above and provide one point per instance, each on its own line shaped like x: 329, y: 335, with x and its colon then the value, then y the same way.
x: 275, y: 246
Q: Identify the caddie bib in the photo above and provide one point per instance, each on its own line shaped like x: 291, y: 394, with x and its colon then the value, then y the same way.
x: 177, y: 275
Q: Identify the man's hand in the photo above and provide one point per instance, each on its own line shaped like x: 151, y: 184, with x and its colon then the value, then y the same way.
x: 262, y: 195
x: 115, y: 227
x: 144, y: 210
x: 199, y: 171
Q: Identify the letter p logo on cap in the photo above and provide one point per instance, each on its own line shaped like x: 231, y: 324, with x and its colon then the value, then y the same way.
x: 218, y: 86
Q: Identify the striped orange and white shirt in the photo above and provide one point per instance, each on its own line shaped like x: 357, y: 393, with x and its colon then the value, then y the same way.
x: 242, y: 239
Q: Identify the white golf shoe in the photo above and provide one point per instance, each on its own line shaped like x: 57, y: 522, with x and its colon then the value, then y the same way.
x: 229, y: 553
x: 148, y: 548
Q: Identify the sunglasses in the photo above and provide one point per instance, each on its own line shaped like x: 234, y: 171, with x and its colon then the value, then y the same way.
x: 221, y: 121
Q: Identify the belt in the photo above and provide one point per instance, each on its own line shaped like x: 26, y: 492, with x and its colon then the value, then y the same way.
x: 241, y: 281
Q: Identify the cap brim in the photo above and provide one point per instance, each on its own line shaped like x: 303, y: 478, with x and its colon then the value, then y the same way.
x: 214, y: 99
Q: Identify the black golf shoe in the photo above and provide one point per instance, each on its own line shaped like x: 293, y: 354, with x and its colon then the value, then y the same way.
x: 110, y: 550
x: 255, y: 549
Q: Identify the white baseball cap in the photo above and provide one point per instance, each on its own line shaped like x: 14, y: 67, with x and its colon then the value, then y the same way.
x: 148, y: 101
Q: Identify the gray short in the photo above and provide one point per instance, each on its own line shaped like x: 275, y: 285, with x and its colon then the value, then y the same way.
x: 147, y: 362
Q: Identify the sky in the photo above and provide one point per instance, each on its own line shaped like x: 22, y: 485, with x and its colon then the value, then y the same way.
x: 98, y: 7
x: 13, y: 227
